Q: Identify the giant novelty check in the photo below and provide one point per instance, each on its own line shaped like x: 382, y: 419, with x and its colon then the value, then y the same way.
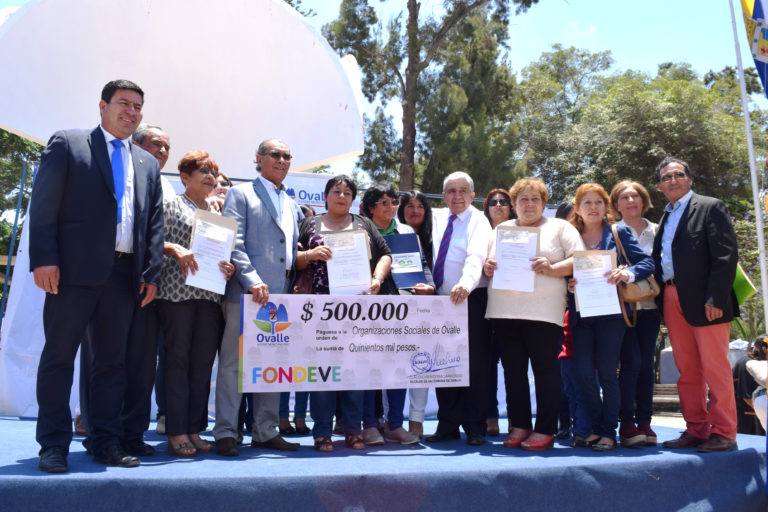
x: 335, y: 342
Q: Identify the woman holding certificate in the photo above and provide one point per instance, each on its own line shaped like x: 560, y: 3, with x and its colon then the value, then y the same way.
x: 631, y: 200
x: 190, y: 316
x: 598, y: 336
x: 528, y: 258
x: 314, y: 232
x: 380, y: 205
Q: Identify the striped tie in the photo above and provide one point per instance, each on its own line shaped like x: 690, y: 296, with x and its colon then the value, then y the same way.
x: 443, y: 252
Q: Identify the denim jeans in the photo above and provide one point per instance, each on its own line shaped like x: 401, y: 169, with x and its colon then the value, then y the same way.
x: 323, y: 406
x: 599, y: 338
x: 582, y: 422
x: 396, y: 400
x: 299, y: 404
x: 637, y: 372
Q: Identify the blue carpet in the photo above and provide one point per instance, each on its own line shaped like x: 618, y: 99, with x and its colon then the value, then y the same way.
x: 448, y: 476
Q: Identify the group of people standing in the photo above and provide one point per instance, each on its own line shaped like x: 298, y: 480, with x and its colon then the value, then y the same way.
x: 111, y: 249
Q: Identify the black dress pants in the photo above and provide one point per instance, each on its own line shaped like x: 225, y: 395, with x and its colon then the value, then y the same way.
x: 468, y: 406
x: 107, y: 309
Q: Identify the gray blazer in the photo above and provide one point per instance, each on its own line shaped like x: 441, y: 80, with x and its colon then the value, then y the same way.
x: 259, y: 255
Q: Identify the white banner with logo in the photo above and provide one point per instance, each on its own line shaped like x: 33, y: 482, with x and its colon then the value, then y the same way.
x: 338, y: 342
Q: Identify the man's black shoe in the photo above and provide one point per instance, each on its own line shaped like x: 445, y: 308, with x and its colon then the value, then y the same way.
x: 138, y: 448
x: 115, y: 456
x: 53, y: 460
x: 441, y: 437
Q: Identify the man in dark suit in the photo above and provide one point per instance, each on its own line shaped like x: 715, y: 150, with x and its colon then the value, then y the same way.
x: 96, y: 240
x: 695, y: 253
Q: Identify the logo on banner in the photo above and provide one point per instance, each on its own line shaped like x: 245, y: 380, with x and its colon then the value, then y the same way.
x: 272, y: 319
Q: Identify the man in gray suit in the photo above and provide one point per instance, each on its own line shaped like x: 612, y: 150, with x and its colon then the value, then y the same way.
x: 265, y: 249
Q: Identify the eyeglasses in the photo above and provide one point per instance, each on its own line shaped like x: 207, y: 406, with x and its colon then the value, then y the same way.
x: 206, y: 170
x: 672, y: 175
x: 388, y: 202
x: 277, y: 155
x: 498, y: 202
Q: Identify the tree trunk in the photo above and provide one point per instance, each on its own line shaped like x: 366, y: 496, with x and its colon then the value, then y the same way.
x: 407, y: 153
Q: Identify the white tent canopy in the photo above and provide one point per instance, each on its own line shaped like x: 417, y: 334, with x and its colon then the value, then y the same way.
x: 219, y: 76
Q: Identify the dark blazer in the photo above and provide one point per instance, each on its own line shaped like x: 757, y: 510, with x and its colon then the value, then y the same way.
x: 704, y: 257
x: 73, y: 217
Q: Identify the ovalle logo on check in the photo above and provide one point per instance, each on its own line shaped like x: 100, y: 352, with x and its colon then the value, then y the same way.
x: 272, y: 318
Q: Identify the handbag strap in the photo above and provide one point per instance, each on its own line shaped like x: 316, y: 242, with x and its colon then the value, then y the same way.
x: 619, y: 246
x: 623, y: 255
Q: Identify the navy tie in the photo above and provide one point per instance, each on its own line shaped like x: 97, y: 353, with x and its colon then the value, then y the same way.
x: 118, y: 174
x: 443, y: 252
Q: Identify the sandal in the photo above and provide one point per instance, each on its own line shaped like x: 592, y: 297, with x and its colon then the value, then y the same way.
x: 201, y: 445
x: 301, y: 428
x: 324, y: 444
x: 605, y: 447
x: 185, y: 450
x: 583, y: 442
x: 355, y: 441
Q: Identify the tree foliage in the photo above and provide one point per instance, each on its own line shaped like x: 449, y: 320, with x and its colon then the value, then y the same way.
x: 582, y: 124
x: 394, y: 57
x: 752, y: 320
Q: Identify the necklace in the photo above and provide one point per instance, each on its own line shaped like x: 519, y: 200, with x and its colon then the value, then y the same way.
x: 333, y: 224
x: 195, y: 202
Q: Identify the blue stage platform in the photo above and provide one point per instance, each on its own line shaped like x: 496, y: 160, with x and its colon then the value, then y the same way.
x: 444, y: 477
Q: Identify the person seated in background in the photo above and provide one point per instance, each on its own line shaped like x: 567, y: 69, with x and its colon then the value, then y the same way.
x: 744, y: 386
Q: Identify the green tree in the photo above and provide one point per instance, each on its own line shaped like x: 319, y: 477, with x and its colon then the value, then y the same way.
x: 555, y: 91
x: 393, y: 58
x: 752, y: 320
x: 468, y: 108
x: 630, y: 125
x: 382, y: 148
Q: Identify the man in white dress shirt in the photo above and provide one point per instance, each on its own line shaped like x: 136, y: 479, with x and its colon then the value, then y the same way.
x: 460, y: 243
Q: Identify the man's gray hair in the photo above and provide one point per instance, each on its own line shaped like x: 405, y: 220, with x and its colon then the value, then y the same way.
x: 262, y: 149
x: 142, y: 131
x: 459, y: 175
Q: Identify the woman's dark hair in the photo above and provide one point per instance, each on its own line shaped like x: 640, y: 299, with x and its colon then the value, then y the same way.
x: 425, y: 230
x: 564, y: 210
x: 337, y: 180
x: 373, y: 194
x: 512, y: 214
x: 307, y: 210
x: 756, y: 351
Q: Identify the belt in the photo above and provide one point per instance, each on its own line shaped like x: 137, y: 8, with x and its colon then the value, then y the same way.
x: 670, y: 282
x: 119, y: 254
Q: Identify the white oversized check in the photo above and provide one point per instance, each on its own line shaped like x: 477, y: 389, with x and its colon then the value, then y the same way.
x: 335, y: 342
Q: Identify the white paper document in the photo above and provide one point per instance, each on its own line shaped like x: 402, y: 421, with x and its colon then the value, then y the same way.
x: 594, y: 295
x: 213, y: 238
x: 515, y: 246
x: 349, y: 271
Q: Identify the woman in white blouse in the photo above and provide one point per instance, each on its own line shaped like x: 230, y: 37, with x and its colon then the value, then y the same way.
x: 527, y: 325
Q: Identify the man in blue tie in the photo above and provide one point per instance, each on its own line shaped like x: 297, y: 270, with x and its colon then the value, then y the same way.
x: 96, y: 244
x: 460, y: 243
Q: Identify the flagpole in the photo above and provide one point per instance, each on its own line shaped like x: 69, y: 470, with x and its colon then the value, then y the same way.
x: 752, y: 171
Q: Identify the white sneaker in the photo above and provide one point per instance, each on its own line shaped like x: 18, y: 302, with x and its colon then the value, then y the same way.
x: 372, y: 437
x: 160, y: 425
x: 400, y: 435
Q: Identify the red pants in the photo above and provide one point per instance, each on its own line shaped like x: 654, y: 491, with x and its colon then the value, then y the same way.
x: 701, y: 356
